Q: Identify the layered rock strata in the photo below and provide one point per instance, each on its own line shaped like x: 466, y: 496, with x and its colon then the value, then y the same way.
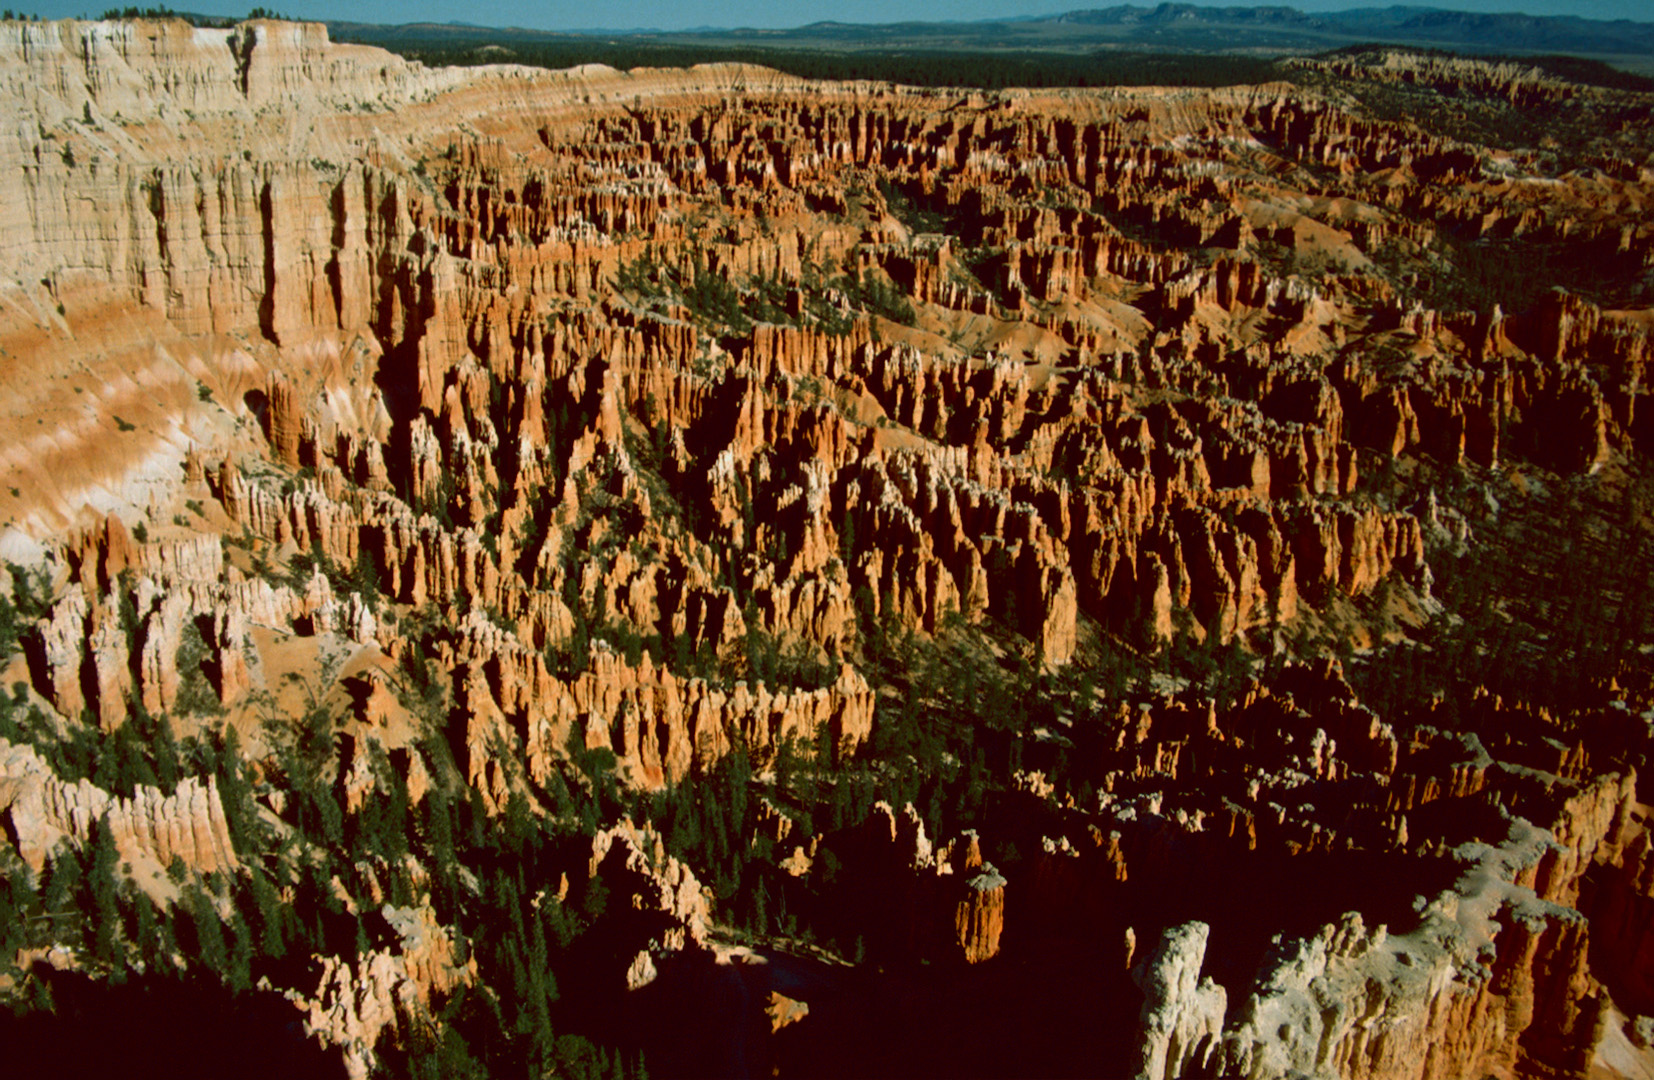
x: 599, y: 416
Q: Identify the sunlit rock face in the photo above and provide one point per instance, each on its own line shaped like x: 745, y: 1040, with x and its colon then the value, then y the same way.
x: 559, y: 444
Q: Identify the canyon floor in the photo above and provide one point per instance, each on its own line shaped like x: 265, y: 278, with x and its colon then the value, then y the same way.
x: 686, y: 572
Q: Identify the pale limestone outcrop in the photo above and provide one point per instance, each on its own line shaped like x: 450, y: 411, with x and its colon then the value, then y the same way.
x: 668, y: 885
x: 43, y: 810
x: 401, y: 286
x: 1493, y: 976
x: 660, y: 726
x: 1182, y: 1013
x: 354, y: 1003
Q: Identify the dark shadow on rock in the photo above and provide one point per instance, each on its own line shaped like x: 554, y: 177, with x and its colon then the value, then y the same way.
x: 152, y: 1027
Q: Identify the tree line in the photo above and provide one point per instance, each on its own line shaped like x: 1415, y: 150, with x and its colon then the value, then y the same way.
x: 987, y: 70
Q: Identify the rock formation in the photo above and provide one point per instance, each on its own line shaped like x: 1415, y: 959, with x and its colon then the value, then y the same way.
x: 43, y: 811
x: 467, y: 464
x: 355, y: 1002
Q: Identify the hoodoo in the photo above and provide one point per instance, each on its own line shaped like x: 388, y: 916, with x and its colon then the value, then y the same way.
x: 708, y: 572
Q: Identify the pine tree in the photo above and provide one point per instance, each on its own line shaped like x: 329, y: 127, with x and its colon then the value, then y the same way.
x: 62, y: 896
x: 210, y: 949
x: 106, y: 914
x: 595, y: 901
x: 239, y: 973
x: 271, y: 914
x: 147, y: 932
x: 14, y: 914
x: 168, y: 767
x: 760, y: 908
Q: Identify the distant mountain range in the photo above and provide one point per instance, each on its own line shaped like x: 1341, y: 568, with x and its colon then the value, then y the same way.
x: 1402, y: 25
x: 1166, y: 27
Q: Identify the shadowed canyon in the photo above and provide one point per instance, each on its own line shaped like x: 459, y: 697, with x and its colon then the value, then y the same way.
x: 702, y: 572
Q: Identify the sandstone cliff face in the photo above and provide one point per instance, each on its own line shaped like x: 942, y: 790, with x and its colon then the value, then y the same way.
x: 665, y: 884
x: 1492, y: 976
x: 979, y: 916
x: 43, y: 811
x: 1620, y: 916
x: 596, y: 413
x: 354, y: 1003
x: 1442, y: 1010
x: 1505, y: 966
x: 973, y: 517
x: 1182, y: 1013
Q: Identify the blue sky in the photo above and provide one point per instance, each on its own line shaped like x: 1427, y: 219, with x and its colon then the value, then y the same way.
x: 662, y: 14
